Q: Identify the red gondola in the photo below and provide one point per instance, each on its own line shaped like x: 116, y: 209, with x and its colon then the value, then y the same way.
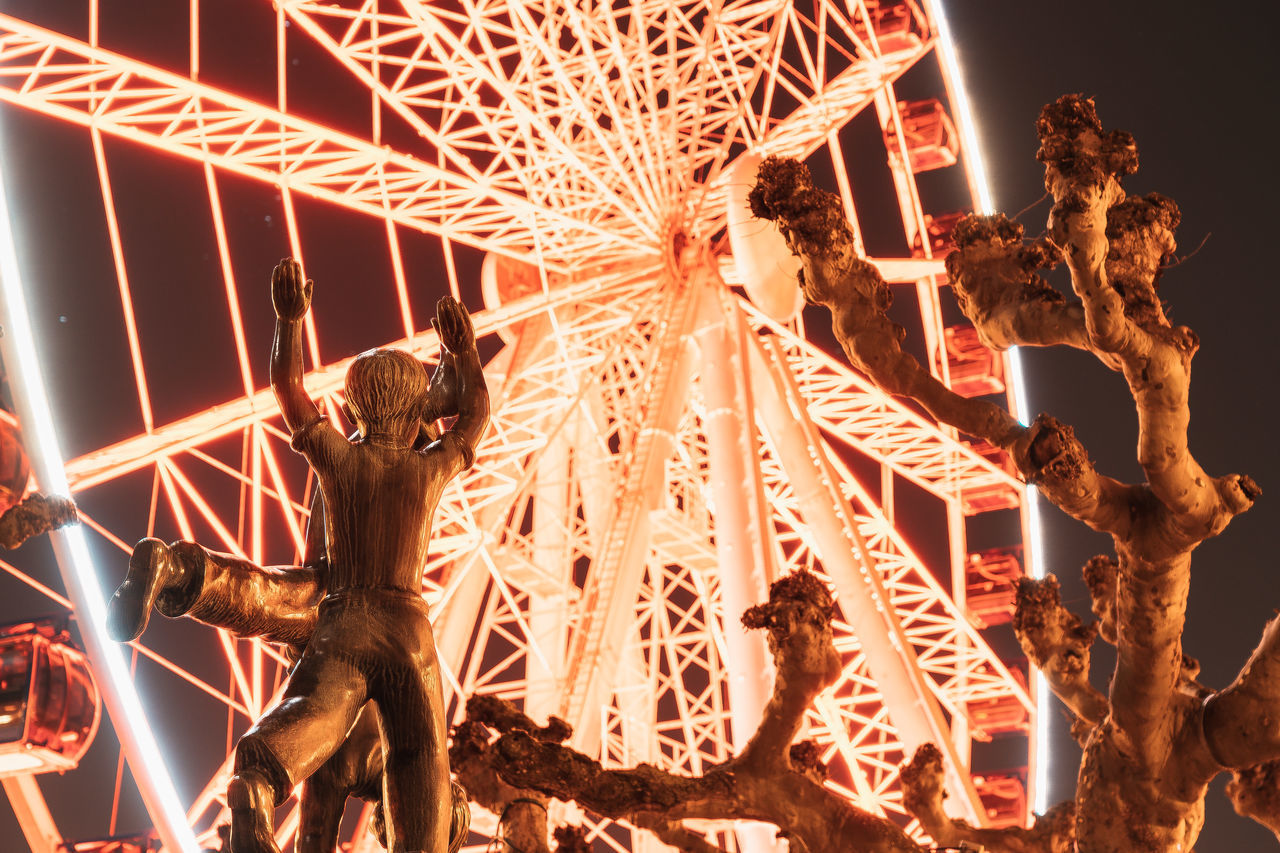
x: 49, y: 704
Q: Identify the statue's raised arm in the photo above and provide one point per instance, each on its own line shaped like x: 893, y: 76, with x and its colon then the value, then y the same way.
x: 471, y: 395
x: 291, y: 296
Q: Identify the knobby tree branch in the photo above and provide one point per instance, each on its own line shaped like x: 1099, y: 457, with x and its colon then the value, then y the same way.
x: 1255, y: 793
x: 923, y: 783
x: 1059, y: 644
x: 1156, y: 739
x: 522, y: 812
x: 774, y: 779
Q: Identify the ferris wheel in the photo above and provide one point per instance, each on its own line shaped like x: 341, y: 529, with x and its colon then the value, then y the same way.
x: 668, y: 437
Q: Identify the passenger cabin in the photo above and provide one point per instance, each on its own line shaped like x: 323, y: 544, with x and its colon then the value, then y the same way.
x: 49, y: 704
x: 975, y: 371
x: 929, y: 135
x: 898, y: 24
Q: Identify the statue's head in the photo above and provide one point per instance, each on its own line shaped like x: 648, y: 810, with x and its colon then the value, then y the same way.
x: 385, y: 389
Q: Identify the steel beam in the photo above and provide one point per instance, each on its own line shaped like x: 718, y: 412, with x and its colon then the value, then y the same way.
x: 859, y: 591
x: 59, y: 76
x: 744, y: 547
x: 33, y: 813
x: 618, y: 566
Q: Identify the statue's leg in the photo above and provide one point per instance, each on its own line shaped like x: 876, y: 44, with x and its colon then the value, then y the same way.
x: 320, y: 808
x: 320, y: 704
x: 277, y: 603
x: 459, y: 820
x: 354, y: 770
x: 417, y: 795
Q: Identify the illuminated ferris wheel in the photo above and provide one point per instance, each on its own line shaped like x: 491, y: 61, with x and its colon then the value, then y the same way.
x: 666, y: 439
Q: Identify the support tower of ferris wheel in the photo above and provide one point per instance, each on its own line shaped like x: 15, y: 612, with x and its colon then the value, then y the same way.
x: 666, y: 439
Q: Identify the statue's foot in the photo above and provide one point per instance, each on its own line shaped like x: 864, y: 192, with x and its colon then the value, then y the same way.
x: 130, y: 608
x: 252, y: 807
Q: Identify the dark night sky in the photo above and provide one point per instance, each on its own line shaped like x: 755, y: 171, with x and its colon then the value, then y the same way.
x: 1197, y: 86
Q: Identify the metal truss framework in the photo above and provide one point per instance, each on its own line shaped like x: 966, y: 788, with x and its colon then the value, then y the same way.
x: 578, y: 568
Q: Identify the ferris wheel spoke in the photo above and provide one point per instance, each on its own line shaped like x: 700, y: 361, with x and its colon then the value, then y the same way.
x: 826, y: 108
x: 358, y: 49
x: 739, y: 82
x: 568, y: 98
x: 122, y: 280
x: 710, y: 72
x: 837, y: 732
x: 468, y: 130
x: 617, y: 569
x: 514, y: 570
x: 73, y: 81
x: 535, y: 404
x: 963, y: 666
x: 625, y: 98
x: 860, y: 593
x: 863, y: 736
x: 864, y: 417
x: 552, y: 111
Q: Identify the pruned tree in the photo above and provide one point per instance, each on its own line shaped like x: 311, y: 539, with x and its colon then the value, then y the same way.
x: 522, y: 812
x: 1156, y: 738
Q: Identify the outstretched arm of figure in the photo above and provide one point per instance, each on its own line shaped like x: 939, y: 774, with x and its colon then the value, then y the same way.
x: 291, y: 295
x: 459, y: 339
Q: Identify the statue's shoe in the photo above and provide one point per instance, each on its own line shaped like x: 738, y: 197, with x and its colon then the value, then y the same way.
x: 252, y: 808
x: 130, y: 608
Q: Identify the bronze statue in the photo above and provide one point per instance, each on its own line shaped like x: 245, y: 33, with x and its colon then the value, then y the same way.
x: 358, y: 612
x: 278, y: 604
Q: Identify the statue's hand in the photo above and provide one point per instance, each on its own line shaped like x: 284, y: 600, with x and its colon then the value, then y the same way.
x: 290, y: 292
x: 442, y: 396
x: 454, y: 325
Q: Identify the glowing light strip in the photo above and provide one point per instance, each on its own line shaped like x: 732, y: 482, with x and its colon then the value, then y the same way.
x: 72, y: 552
x: 1033, y: 556
x: 1035, y: 566
x: 961, y: 110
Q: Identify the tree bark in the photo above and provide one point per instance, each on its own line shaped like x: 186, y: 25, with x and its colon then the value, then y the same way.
x: 763, y: 783
x: 1156, y: 739
x: 1255, y: 793
x: 522, y: 812
x: 922, y: 790
x: 774, y: 779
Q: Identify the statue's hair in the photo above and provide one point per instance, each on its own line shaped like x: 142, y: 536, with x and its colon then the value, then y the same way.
x: 385, y: 388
